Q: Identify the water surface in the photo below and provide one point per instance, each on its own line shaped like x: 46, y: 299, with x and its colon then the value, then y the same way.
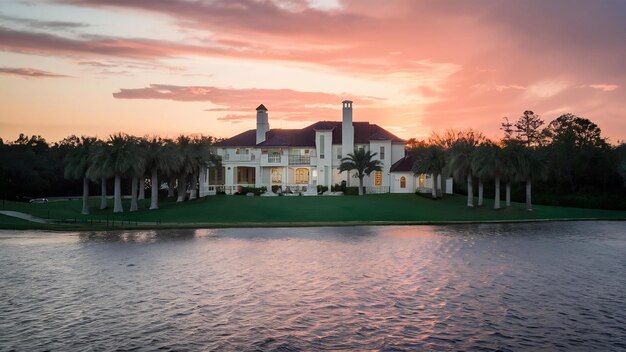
x: 546, y: 286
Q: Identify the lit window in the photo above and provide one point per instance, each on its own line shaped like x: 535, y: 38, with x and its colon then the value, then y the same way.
x: 302, y: 176
x: 402, y: 182
x: 277, y: 175
x: 378, y: 178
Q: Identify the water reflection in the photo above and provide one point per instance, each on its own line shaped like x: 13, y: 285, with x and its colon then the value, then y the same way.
x: 144, y: 236
x: 550, y: 286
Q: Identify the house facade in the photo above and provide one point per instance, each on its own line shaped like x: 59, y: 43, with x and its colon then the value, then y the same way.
x: 298, y: 160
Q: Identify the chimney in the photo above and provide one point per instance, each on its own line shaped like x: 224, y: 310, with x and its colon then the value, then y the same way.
x: 262, y: 124
x: 347, y: 129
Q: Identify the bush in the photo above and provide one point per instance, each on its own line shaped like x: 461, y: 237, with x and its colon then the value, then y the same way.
x: 242, y: 191
x: 321, y: 189
x: 276, y: 188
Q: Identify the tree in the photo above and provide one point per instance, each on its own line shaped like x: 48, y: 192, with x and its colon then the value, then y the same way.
x: 458, y: 158
x: 362, y: 161
x: 97, y: 171
x: 120, y: 160
x: 488, y: 164
x: 509, y: 165
x: 528, y: 129
x: 531, y: 166
x: 156, y: 162
x: 185, y: 151
x: 429, y: 160
x: 578, y: 153
x: 77, y: 162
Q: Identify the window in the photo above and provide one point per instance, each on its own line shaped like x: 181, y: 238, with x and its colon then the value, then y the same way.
x: 274, y: 157
x: 322, y: 146
x: 302, y: 176
x: 237, y: 151
x: 402, y: 182
x: 339, y: 153
x: 378, y: 178
x: 382, y: 153
x: 277, y: 175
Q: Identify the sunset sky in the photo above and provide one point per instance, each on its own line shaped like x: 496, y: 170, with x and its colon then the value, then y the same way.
x: 168, y: 67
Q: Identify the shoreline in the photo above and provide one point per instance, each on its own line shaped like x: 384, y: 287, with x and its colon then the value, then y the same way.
x: 54, y: 226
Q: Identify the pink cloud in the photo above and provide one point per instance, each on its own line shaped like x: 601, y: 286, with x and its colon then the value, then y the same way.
x: 28, y: 72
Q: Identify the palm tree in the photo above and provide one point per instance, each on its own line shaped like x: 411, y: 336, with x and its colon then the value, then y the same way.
x: 488, y: 164
x: 97, y: 172
x: 459, y: 159
x: 137, y: 169
x: 156, y: 162
x: 531, y: 166
x: 77, y: 163
x: 120, y: 160
x: 200, y: 157
x: 429, y: 160
x: 509, y: 165
x: 186, y: 165
x: 362, y: 162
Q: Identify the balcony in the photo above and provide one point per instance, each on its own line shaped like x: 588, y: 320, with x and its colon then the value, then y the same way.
x: 239, y: 157
x: 299, y: 160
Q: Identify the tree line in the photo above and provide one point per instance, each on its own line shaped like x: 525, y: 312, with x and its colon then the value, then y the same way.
x: 33, y: 168
x: 564, y: 162
x: 568, y: 160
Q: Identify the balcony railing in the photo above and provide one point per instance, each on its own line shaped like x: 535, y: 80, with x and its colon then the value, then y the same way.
x: 299, y: 160
x: 239, y: 157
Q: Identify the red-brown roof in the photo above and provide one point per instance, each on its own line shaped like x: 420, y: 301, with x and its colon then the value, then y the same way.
x: 364, y: 132
x: 403, y: 165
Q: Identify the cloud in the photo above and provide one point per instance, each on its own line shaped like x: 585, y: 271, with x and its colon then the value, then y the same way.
x: 284, y: 104
x: 39, y: 24
x: 604, y: 87
x: 28, y: 72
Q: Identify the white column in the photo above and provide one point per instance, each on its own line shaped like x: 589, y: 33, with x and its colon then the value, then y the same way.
x: 257, y: 176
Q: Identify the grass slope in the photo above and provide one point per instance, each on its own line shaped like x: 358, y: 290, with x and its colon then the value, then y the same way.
x: 234, y: 211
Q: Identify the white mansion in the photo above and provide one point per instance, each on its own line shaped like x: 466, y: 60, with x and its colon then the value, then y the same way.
x: 298, y: 160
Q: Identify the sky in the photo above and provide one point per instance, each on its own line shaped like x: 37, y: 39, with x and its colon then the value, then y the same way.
x: 170, y: 67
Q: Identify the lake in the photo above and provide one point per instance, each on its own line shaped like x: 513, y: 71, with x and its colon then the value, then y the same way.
x: 537, y: 286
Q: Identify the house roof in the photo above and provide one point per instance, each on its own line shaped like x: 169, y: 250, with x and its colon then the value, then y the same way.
x: 364, y: 132
x: 261, y: 107
x: 403, y: 165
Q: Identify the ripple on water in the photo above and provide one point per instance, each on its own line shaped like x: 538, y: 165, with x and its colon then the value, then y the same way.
x: 551, y: 286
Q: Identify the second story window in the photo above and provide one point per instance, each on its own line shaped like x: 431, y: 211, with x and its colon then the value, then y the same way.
x: 339, y: 153
x: 382, y: 153
x: 322, y: 146
x: 274, y: 157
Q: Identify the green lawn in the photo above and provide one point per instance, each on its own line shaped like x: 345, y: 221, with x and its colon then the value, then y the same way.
x: 231, y: 211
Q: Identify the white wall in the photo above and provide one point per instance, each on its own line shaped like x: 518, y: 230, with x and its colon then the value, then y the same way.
x: 411, y: 182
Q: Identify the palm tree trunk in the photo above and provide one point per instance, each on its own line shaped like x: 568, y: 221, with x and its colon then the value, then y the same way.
x: 85, y: 195
x: 508, y: 193
x: 193, y: 187
x: 154, y: 191
x: 496, y: 204
x: 182, y: 189
x: 170, y: 187
x: 433, y: 191
x: 529, y: 205
x: 117, y: 195
x: 439, y: 189
x: 470, y: 192
x: 444, y: 185
x: 480, y: 192
x: 103, y: 193
x: 133, y: 189
x: 361, y: 185
x: 142, y: 187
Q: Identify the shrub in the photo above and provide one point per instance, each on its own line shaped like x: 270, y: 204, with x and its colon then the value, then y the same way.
x: 321, y: 189
x: 242, y: 191
x: 351, y: 191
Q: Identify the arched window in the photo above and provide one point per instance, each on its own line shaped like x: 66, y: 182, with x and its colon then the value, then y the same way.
x: 378, y: 178
x: 302, y: 176
x: 402, y: 182
x: 274, y: 157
